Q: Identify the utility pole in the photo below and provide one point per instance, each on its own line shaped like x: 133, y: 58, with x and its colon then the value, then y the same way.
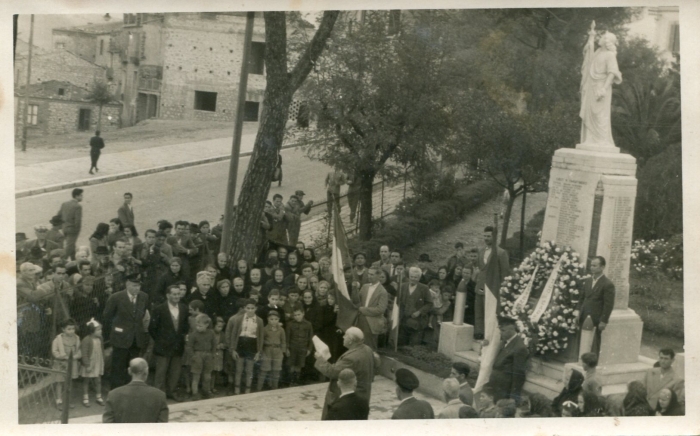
x: 237, y: 131
x: 26, y: 88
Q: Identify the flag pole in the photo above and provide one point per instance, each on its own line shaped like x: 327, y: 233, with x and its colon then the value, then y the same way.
x: 397, y: 302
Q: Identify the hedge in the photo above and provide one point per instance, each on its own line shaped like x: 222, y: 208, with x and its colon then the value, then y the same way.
x: 416, y: 219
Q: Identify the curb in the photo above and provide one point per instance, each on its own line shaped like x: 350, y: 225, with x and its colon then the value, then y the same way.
x: 120, y: 176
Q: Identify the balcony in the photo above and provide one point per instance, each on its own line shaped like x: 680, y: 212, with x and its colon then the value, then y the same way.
x: 149, y: 84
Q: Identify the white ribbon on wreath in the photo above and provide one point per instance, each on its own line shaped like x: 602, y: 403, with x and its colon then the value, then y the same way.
x: 546, y: 296
x: 525, y: 296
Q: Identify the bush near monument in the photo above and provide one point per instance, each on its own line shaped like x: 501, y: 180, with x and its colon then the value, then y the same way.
x: 419, y: 218
x: 659, y: 257
x: 659, y: 301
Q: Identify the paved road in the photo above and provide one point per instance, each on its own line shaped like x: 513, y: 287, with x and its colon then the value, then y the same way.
x: 194, y: 194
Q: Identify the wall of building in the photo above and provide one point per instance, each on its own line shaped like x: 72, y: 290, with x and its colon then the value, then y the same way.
x: 104, y: 59
x: 56, y: 117
x: 62, y: 66
x: 656, y: 26
x: 202, y: 54
x: 82, y: 44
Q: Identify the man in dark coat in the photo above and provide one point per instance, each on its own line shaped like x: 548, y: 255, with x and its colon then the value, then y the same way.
x: 96, y: 146
x: 126, y: 321
x: 483, y: 259
x: 597, y: 300
x: 414, y: 305
x: 72, y: 215
x: 348, y: 406
x: 136, y: 402
x: 410, y: 406
x: 125, y: 213
x: 359, y: 358
x: 168, y: 329
x: 508, y: 374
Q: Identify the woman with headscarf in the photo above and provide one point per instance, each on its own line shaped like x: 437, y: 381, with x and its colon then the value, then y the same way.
x: 569, y: 393
x: 635, y: 402
x: 668, y: 404
x: 172, y: 276
x: 590, y: 404
x: 276, y: 282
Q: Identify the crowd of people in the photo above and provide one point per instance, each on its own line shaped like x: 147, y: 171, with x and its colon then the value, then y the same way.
x: 205, y: 321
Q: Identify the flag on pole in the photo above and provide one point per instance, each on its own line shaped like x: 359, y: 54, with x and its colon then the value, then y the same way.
x: 347, y: 313
x: 492, y: 284
x: 395, y: 314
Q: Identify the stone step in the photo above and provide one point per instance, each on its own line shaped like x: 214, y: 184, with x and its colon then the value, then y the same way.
x: 543, y: 385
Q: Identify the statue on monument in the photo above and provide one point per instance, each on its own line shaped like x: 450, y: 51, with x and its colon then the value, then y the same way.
x: 598, y: 73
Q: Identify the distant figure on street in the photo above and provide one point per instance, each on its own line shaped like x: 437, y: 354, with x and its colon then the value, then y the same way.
x: 125, y: 213
x: 72, y: 215
x: 96, y: 146
x: 334, y: 181
x: 410, y: 406
x: 136, y: 402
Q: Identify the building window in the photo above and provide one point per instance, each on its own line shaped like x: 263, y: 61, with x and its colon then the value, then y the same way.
x: 250, y: 111
x: 674, y: 42
x: 33, y: 114
x: 256, y: 63
x: 102, y: 45
x: 61, y: 91
x: 205, y: 101
x: 61, y: 45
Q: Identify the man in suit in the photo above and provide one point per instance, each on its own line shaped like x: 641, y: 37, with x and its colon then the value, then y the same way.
x: 597, y: 300
x: 371, y: 301
x: 508, y: 374
x: 664, y: 377
x: 136, y: 402
x: 427, y: 274
x: 72, y: 215
x: 410, y: 406
x: 168, y: 329
x: 460, y: 371
x: 450, y: 388
x: 126, y: 212
x: 41, y: 241
x: 359, y: 358
x: 348, y: 406
x: 126, y: 321
x: 414, y: 309
x: 482, y: 259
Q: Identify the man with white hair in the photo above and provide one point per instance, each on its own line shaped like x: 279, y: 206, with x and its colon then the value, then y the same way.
x: 450, y: 388
x: 414, y: 306
x: 359, y: 358
x: 348, y: 406
x: 136, y: 402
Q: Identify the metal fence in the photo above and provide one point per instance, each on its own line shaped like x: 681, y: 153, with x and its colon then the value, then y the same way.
x: 37, y: 384
x: 386, y: 195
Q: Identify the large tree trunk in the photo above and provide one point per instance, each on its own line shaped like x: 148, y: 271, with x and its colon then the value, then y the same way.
x: 365, y: 220
x: 245, y: 235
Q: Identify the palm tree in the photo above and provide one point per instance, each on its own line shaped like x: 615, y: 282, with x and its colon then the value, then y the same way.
x: 101, y: 95
x: 646, y: 117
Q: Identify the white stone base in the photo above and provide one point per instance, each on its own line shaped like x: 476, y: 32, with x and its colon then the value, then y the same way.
x: 599, y: 148
x: 621, y: 339
x: 455, y: 338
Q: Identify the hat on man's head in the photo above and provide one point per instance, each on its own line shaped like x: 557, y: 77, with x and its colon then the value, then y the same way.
x: 101, y: 250
x: 41, y: 228
x: 30, y: 267
x: 425, y: 257
x: 56, y: 220
x: 134, y: 278
x: 503, y: 321
x: 299, y: 193
x: 19, y: 237
x: 406, y: 379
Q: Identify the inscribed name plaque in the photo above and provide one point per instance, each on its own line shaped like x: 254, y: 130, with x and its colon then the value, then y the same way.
x: 570, y: 208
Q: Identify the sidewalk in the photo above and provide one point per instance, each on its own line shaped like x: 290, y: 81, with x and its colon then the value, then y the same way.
x: 65, y: 174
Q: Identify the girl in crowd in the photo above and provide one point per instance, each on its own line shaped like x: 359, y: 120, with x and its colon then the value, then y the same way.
x: 116, y: 231
x: 93, y: 362
x: 132, y: 236
x: 63, y: 345
x: 99, y: 239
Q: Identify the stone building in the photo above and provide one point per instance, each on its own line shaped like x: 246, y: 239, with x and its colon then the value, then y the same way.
x: 60, y: 65
x: 176, y: 65
x: 57, y: 107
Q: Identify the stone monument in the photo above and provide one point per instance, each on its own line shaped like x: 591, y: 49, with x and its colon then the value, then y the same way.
x: 592, y: 191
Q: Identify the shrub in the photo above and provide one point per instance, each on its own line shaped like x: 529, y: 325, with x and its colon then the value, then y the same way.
x: 658, y: 257
x: 418, y: 219
x: 659, y: 302
x: 532, y: 236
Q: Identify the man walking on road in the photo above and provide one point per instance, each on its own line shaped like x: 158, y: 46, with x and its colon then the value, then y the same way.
x: 72, y: 215
x: 126, y: 213
x: 96, y: 146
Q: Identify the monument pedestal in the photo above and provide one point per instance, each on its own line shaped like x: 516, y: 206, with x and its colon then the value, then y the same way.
x: 455, y: 338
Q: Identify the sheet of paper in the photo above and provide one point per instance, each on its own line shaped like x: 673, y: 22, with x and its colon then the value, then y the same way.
x: 321, y: 347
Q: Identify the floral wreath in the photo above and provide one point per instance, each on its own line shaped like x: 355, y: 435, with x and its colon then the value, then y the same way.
x: 547, y: 323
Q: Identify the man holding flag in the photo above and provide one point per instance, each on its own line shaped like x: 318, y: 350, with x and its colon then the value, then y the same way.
x: 495, y: 268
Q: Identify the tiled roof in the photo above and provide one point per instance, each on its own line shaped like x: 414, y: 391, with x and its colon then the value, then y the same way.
x: 98, y: 28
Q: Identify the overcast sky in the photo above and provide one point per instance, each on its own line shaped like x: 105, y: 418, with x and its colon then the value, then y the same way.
x: 43, y: 24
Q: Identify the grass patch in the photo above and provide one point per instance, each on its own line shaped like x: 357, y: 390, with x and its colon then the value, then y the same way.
x: 660, y: 304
